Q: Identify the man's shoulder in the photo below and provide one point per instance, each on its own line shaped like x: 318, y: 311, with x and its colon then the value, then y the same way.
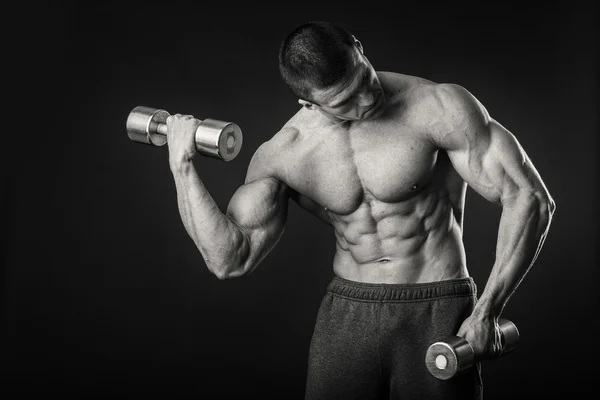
x: 413, y: 92
x: 419, y: 88
x: 268, y: 161
x: 402, y: 83
x: 445, y: 111
x: 442, y: 100
x: 402, y: 78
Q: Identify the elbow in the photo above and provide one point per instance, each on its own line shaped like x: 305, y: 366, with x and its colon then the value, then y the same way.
x: 546, y: 206
x: 228, y: 271
x: 224, y: 274
x: 551, y: 206
x: 224, y: 271
x: 538, y: 202
x: 234, y: 267
x: 220, y: 271
x: 231, y: 261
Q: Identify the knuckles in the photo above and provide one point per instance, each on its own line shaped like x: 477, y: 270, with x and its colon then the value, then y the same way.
x: 183, y: 120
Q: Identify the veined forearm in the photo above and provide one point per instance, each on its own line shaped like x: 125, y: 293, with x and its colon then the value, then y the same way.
x: 222, y: 244
x: 523, y: 228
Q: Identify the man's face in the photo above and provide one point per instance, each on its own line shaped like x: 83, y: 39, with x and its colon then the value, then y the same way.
x: 358, y: 96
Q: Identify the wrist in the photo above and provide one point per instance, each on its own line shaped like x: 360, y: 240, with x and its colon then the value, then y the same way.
x: 486, y: 308
x: 180, y: 166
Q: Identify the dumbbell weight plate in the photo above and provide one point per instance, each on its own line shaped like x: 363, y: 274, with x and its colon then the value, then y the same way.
x: 446, y: 359
x: 219, y: 139
x: 509, y: 335
x: 143, y: 125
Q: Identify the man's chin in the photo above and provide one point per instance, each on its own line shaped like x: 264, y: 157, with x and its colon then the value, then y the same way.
x: 373, y: 113
x: 375, y: 110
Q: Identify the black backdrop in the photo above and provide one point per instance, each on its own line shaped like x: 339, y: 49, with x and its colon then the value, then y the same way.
x: 103, y: 291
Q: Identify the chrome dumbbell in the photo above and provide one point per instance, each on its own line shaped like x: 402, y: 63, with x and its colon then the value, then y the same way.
x: 214, y: 138
x: 451, y: 356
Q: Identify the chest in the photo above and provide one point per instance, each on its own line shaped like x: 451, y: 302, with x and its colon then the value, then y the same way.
x: 342, y: 169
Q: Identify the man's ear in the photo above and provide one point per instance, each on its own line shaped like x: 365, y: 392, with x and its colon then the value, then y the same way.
x: 358, y: 44
x: 306, y: 104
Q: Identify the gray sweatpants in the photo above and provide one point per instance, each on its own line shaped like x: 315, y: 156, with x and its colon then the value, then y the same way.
x: 370, y: 341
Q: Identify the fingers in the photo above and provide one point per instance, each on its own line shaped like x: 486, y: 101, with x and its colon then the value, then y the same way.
x: 494, y: 345
x: 498, y: 345
x: 485, y: 338
x: 178, y: 117
x: 173, y: 118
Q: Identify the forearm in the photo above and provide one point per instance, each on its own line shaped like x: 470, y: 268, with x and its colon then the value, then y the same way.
x: 524, y: 224
x: 221, y: 242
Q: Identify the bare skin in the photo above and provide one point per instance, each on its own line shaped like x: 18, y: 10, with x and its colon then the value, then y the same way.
x: 388, y: 170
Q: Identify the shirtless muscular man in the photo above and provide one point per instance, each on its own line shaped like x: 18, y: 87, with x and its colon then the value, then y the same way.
x: 385, y: 159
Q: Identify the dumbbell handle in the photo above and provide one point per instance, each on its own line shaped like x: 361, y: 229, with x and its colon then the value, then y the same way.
x: 162, y: 129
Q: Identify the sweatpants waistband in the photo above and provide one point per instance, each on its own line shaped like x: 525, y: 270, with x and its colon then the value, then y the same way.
x: 402, y: 292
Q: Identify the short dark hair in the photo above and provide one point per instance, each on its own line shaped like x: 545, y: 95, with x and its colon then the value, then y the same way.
x: 315, y: 55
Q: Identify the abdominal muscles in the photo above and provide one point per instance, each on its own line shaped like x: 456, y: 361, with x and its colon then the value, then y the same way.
x: 412, y: 241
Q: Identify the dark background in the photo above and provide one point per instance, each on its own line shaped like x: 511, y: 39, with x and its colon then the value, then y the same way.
x: 103, y: 291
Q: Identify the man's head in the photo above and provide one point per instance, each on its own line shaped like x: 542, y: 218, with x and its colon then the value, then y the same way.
x: 325, y: 67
